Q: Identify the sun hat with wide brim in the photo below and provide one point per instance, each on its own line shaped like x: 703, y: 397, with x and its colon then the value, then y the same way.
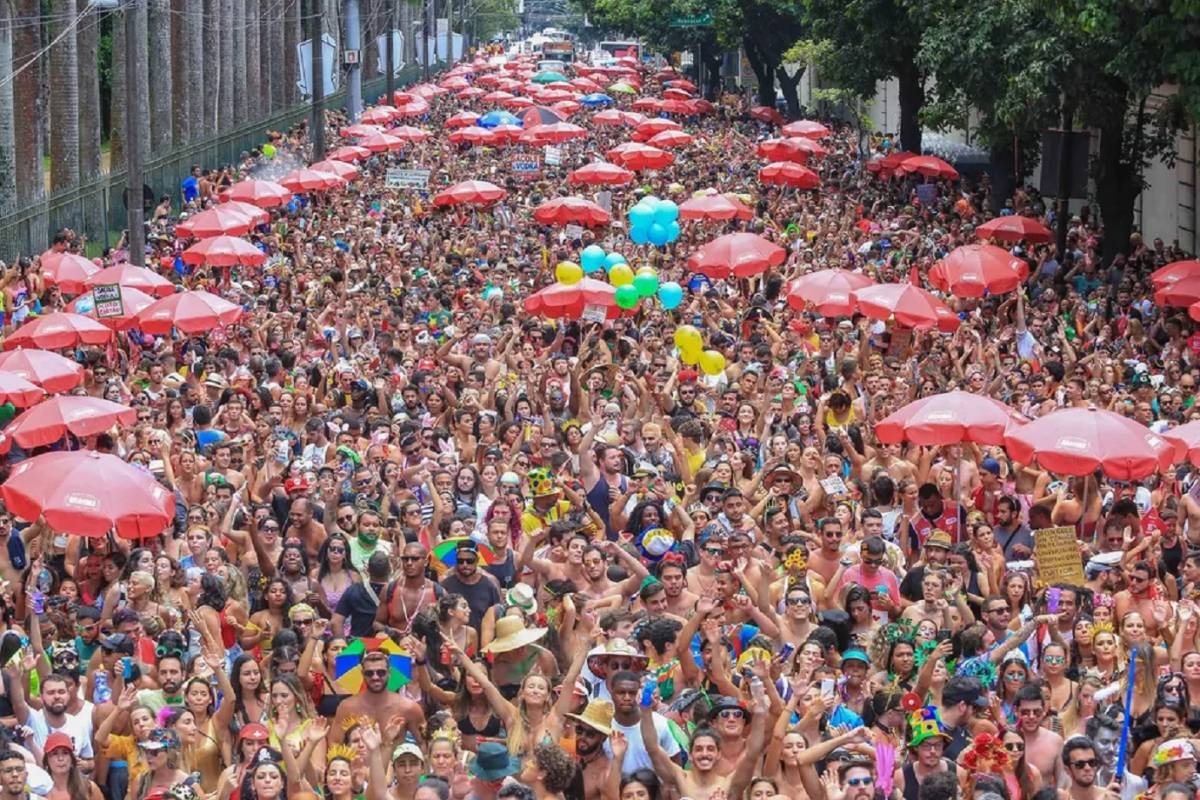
x: 598, y: 715
x: 512, y: 634
x: 616, y: 648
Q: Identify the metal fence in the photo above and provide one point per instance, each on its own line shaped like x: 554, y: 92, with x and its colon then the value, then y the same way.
x: 97, y: 208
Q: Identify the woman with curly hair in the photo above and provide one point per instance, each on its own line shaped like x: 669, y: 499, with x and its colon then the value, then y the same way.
x: 894, y: 656
x: 270, y: 618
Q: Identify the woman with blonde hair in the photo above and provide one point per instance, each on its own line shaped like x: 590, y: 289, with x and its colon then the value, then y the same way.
x: 290, y: 713
x: 1083, y: 704
x: 1110, y: 656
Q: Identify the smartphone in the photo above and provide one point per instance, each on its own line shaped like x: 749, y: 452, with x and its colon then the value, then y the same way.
x: 827, y: 687
x: 126, y: 668
x: 943, y: 635
x: 1052, y: 597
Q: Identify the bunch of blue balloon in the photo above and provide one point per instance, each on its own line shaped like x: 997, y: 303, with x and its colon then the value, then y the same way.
x: 654, y: 221
x: 631, y: 286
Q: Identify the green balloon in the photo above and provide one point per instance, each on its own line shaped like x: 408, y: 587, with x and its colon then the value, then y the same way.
x: 627, y: 296
x: 646, y: 282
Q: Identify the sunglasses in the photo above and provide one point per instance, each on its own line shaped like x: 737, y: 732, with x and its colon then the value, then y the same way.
x: 341, y: 550
x: 873, y: 562
x: 461, y: 560
x: 302, y: 621
x: 714, y: 551
x: 868, y: 781
x: 732, y: 713
x: 1029, y: 712
x: 1014, y: 677
x: 420, y: 558
x: 1056, y: 660
x: 1014, y: 747
x: 1084, y: 763
x: 374, y: 673
x: 798, y: 600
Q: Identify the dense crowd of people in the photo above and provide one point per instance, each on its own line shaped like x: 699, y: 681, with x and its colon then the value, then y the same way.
x: 428, y: 545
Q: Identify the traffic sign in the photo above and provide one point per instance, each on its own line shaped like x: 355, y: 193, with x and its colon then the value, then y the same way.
x: 692, y: 20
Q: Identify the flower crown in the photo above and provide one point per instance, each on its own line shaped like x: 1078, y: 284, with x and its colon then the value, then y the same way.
x: 447, y: 734
x: 987, y: 754
x: 344, y: 752
x: 1104, y: 600
x: 795, y: 560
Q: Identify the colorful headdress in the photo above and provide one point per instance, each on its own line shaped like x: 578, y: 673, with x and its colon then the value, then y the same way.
x: 349, y: 723
x: 348, y: 666
x: 1102, y: 627
x: 902, y: 631
x: 1172, y: 751
x: 1103, y: 600
x: 541, y: 484
x: 344, y: 752
x: 925, y: 723
x: 656, y: 542
x: 451, y: 735
x: 981, y: 668
x: 987, y: 754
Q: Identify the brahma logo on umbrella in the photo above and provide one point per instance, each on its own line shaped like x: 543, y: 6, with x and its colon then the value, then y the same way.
x: 1073, y: 443
x: 78, y: 500
x: 941, y: 416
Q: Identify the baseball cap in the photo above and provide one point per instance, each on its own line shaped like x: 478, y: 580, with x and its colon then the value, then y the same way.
x: 963, y: 689
x: 991, y: 465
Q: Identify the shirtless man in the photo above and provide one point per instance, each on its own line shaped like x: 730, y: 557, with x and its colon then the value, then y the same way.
x: 1141, y: 597
x: 887, y: 458
x: 592, y: 728
x: 407, y: 596
x: 378, y: 704
x: 303, y: 526
x: 703, y: 780
x: 1042, y: 745
x: 673, y: 576
x: 824, y: 562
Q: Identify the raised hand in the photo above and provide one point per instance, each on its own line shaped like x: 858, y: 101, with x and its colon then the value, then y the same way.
x: 318, y: 729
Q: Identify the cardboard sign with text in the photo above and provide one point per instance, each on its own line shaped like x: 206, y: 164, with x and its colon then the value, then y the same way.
x: 1058, y: 556
x: 108, y: 300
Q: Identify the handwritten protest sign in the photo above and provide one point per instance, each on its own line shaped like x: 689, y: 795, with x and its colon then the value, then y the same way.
x: 1058, y: 556
x: 108, y: 300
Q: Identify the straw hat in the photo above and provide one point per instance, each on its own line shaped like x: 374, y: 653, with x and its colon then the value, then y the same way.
x: 598, y: 715
x: 512, y: 634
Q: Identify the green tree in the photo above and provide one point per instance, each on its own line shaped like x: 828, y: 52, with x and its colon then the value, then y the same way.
x: 875, y: 40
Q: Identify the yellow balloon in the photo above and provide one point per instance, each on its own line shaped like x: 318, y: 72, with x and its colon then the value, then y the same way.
x: 620, y: 275
x: 688, y: 339
x: 712, y: 362
x: 690, y: 357
x: 568, y: 272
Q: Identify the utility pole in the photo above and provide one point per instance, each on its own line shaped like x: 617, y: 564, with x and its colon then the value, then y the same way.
x: 133, y: 139
x: 390, y: 71
x: 354, y: 100
x: 315, y: 34
x: 425, y: 44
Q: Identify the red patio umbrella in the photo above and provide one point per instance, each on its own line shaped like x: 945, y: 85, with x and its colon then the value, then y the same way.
x: 416, y: 107
x: 714, y: 206
x: 736, y: 254
x: 1187, y: 437
x: 224, y: 251
x: 673, y: 106
x: 219, y: 221
x: 562, y: 300
x: 702, y: 106
x: 48, y: 422
x: 346, y: 172
x: 517, y: 103
x: 52, y: 372
x: 259, y: 216
x: 929, y: 166
x: 462, y: 119
x: 497, y: 96
x: 1014, y: 228
x: 975, y: 269
x: 671, y: 139
x: 949, y: 418
x: 805, y: 127
x: 378, y: 143
x: 19, y: 391
x: 911, y: 306
x: 264, y: 194
x: 470, y: 93
x: 88, y: 494
x: 830, y: 291
x: 601, y: 173
x: 351, y: 152
x: 566, y: 107
x: 676, y: 94
x: 191, y: 312
x: 473, y: 134
x: 650, y: 127
x: 407, y: 133
x: 127, y: 276
x: 609, y: 116
x: 888, y: 164
x: 132, y: 301
x: 1182, y: 292
x: 507, y: 133
x: 1175, y: 272
x: 789, y: 173
x: 475, y: 193
x: 637, y: 157
x: 682, y: 83
x: 67, y: 271
x: 359, y: 130
x: 311, y: 180
x: 540, y: 115
x: 768, y: 115
x: 380, y: 115
x: 1077, y: 441
x: 647, y: 104
x: 792, y: 148
x: 554, y: 133
x: 571, y: 210
x: 58, y: 330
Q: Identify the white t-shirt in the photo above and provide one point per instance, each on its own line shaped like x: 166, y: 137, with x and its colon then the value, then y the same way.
x: 77, y: 726
x: 636, y: 756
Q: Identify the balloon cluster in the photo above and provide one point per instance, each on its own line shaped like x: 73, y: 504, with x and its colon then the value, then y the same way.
x: 631, y: 286
x: 654, y: 221
x: 692, y: 352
